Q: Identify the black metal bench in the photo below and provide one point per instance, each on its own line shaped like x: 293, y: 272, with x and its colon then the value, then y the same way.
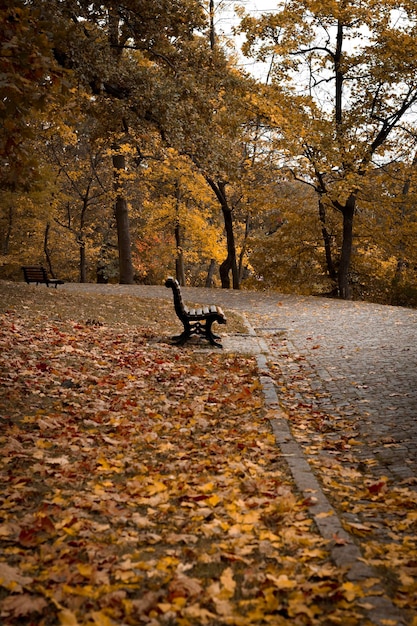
x: 38, y: 274
x: 196, y: 321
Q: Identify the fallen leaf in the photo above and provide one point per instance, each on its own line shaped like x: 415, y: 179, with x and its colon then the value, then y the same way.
x: 12, y: 579
x: 282, y: 581
x: 23, y: 604
x: 184, y: 586
x: 67, y: 618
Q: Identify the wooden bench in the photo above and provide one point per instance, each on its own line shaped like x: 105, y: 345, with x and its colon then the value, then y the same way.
x: 196, y: 321
x: 38, y: 274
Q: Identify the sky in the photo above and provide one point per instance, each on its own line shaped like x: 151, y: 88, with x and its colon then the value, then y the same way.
x: 225, y: 19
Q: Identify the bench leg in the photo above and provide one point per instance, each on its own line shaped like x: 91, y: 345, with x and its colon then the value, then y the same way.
x: 196, y: 328
x: 179, y: 340
x: 210, y: 336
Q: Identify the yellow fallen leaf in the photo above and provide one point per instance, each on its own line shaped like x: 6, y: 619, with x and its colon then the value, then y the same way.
x: 251, y: 518
x: 85, y: 591
x: 207, y: 487
x: 271, y: 600
x: 104, y: 464
x: 228, y: 583
x: 179, y: 603
x: 156, y: 487
x: 85, y: 569
x: 406, y: 580
x: 351, y: 591
x: 267, y: 535
x: 313, y: 553
x: 43, y: 443
x: 324, y: 514
x: 101, y: 619
x: 166, y: 563
x: 202, y: 616
x: 282, y: 581
x: 67, y: 618
x: 213, y: 500
x: 297, y: 606
x: 359, y: 527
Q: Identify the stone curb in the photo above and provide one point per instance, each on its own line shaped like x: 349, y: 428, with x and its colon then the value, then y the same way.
x: 345, y: 554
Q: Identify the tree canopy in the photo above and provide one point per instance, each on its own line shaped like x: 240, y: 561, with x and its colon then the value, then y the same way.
x: 349, y: 95
x: 133, y: 128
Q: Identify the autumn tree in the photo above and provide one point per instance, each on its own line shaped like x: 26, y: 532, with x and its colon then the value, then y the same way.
x: 139, y: 68
x: 84, y: 191
x: 385, y: 267
x: 344, y: 90
x: 285, y: 249
x: 217, y: 118
x: 179, y: 222
x: 116, y: 54
x: 30, y: 80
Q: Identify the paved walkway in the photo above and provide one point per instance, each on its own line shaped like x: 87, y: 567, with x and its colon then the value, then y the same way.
x: 356, y: 361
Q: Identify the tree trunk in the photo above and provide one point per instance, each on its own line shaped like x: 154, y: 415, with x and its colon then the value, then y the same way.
x: 6, y: 241
x: 230, y: 263
x: 46, y: 249
x: 212, y: 31
x: 122, y: 223
x: 346, y: 253
x: 224, y: 272
x: 327, y: 242
x: 243, y: 250
x: 210, y: 274
x: 179, y: 261
x: 83, y: 264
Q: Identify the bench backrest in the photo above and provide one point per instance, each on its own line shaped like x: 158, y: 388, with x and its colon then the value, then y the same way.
x: 180, y: 308
x: 35, y: 273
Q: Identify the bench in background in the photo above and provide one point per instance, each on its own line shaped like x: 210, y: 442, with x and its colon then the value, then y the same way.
x: 38, y: 274
x: 195, y: 321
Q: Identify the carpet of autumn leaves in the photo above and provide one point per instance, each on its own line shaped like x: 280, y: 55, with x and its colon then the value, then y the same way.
x: 140, y: 483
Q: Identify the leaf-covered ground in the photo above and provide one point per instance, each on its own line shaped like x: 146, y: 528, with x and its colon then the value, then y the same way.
x: 380, y: 512
x: 140, y: 483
